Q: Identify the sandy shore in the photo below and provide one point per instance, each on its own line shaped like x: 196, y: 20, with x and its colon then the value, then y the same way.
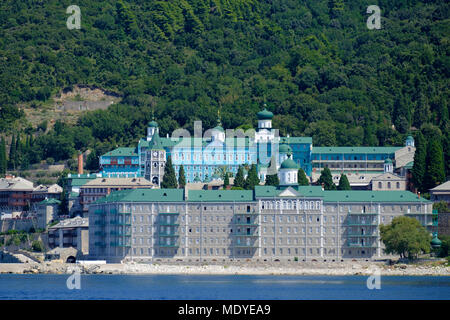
x: 299, y: 269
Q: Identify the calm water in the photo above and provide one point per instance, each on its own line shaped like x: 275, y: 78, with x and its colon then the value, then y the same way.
x: 176, y: 287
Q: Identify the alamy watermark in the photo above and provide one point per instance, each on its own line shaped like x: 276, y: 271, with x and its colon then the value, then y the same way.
x: 374, y: 21
x: 74, y: 20
x: 374, y: 280
x: 74, y: 281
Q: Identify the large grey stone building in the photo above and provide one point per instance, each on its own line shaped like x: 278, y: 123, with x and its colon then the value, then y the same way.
x: 265, y: 223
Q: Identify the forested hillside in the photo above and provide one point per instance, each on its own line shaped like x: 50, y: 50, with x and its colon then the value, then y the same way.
x: 315, y: 63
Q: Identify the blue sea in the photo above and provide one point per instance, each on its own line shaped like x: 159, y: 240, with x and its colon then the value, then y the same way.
x: 228, y: 287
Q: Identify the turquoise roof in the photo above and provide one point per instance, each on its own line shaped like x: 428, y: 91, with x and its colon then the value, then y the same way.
x: 359, y: 150
x: 271, y: 191
x: 264, y: 115
x: 155, y: 143
x: 284, y: 148
x: 289, y: 164
x: 124, y: 152
x: 219, y: 128
x: 372, y: 196
x: 388, y: 160
x: 435, y: 242
x: 408, y: 138
x: 220, y: 195
x: 144, y: 195
x: 296, y: 140
x: 50, y: 201
x: 153, y: 124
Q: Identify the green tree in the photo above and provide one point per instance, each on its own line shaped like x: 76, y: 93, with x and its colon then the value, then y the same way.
x: 406, y: 237
x: 239, y: 179
x: 181, y: 177
x: 3, y: 161
x: 419, y: 167
x: 12, y: 154
x: 226, y: 180
x: 435, y: 173
x: 169, y: 179
x: 252, y: 178
x: 326, y: 179
x: 343, y: 183
x: 272, y: 180
x: 37, y: 246
x: 441, y: 206
x: 301, y: 178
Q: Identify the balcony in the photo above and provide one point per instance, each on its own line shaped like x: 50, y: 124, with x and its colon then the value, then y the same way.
x: 248, y: 224
x: 169, y: 235
x: 99, y: 233
x: 253, y: 212
x: 99, y: 223
x: 362, y: 223
x: 169, y: 224
x: 100, y: 244
x: 358, y: 245
x: 169, y: 245
x: 124, y: 212
x: 168, y: 213
x: 355, y: 235
x: 99, y: 212
x: 370, y: 213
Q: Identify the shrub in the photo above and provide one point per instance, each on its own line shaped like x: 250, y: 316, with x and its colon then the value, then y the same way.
x: 37, y: 246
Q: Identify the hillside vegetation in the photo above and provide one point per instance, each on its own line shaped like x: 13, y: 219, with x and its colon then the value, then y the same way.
x: 315, y: 63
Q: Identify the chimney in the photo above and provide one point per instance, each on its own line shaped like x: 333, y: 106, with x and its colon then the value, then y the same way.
x: 80, y: 163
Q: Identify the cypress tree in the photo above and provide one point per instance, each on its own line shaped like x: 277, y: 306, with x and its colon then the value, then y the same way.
x: 239, y: 179
x: 419, y: 167
x: 435, y: 173
x: 12, y: 154
x: 301, y: 178
x: 169, y: 179
x: 343, y: 183
x: 272, y: 180
x: 19, y: 152
x: 181, y: 177
x: 327, y: 179
x: 226, y: 180
x: 252, y: 178
x: 3, y: 162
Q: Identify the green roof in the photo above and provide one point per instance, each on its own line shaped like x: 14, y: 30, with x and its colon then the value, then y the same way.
x: 144, y: 195
x: 124, y: 152
x: 155, y: 143
x: 264, y: 115
x: 435, y: 241
x: 359, y: 150
x: 296, y: 140
x: 372, y: 196
x: 153, y: 124
x: 219, y: 128
x: 284, y: 148
x: 409, y: 165
x: 50, y: 201
x: 387, y: 160
x: 272, y: 191
x: 220, y: 195
x: 289, y: 164
x: 409, y: 138
x: 78, y: 182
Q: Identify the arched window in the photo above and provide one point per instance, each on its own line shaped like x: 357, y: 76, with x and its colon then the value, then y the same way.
x: 398, y: 185
x: 380, y: 185
x: 389, y: 185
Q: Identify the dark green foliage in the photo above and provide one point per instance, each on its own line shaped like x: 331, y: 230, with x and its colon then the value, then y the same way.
x: 406, y: 237
x: 3, y: 159
x: 301, y: 178
x: 272, y: 180
x: 441, y: 206
x: 239, y: 179
x: 419, y: 167
x: 37, y: 246
x: 326, y: 179
x: 435, y: 173
x: 226, y: 180
x: 181, y: 177
x: 169, y: 179
x: 252, y: 179
x: 316, y: 64
x: 444, y: 250
x: 343, y: 183
x: 12, y: 154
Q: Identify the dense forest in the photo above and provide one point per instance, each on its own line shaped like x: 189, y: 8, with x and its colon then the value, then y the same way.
x: 315, y: 63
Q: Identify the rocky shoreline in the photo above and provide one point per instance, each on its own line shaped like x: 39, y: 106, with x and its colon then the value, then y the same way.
x: 337, y: 269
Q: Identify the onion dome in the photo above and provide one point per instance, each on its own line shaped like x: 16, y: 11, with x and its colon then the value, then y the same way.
x: 265, y: 115
x: 284, y: 148
x: 388, y: 160
x: 197, y: 179
x: 153, y: 124
x: 289, y: 164
x: 436, y: 243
